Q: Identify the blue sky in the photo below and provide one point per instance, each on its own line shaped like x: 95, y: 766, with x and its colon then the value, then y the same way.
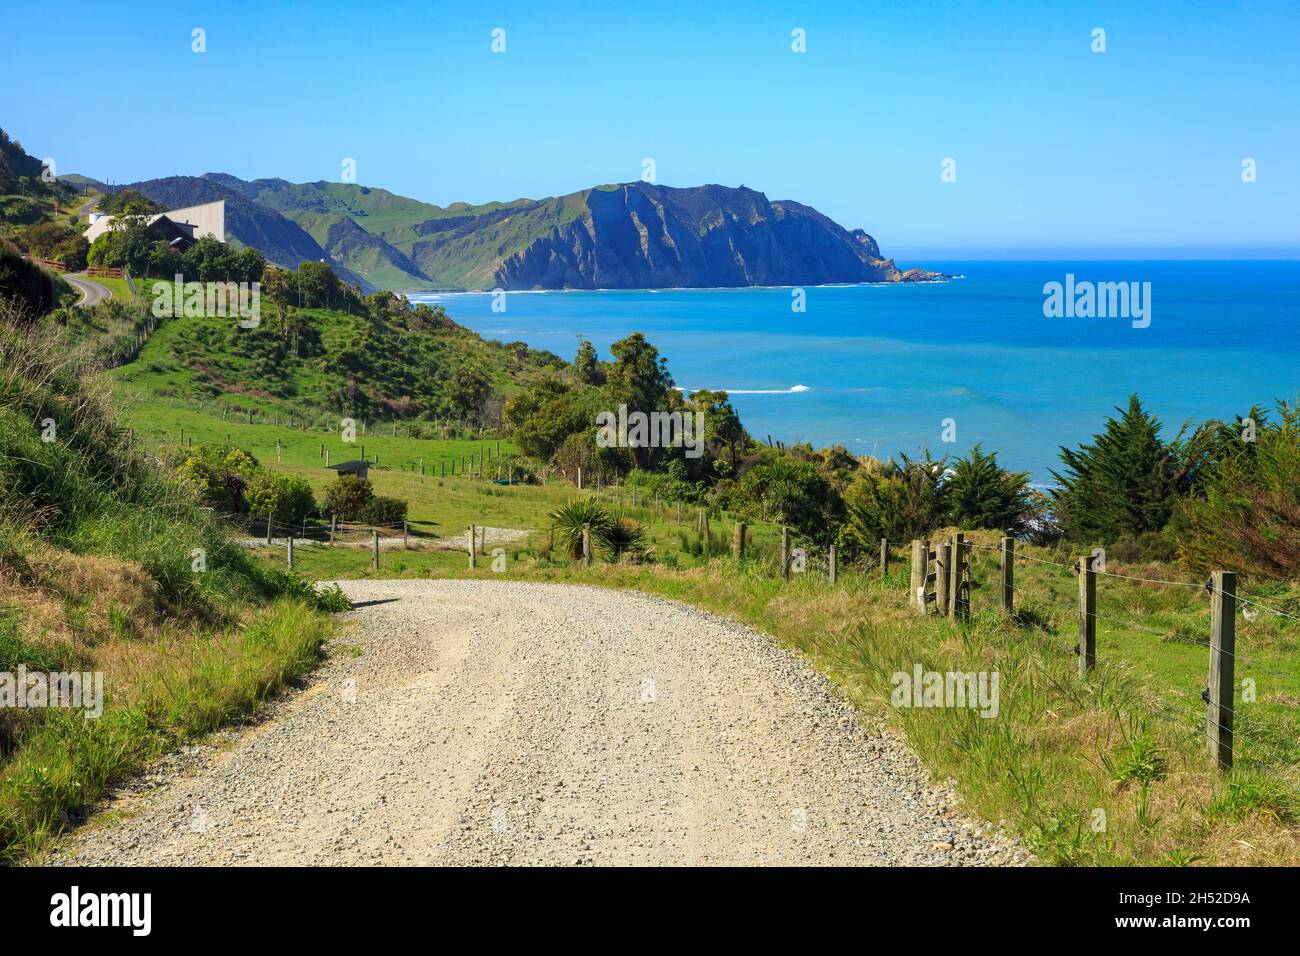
x: 1059, y: 151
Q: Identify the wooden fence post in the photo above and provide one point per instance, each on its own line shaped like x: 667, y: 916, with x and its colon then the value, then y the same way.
x: 942, y: 554
x: 884, y: 557
x: 473, y: 558
x: 579, y: 479
x: 738, y: 542
x: 586, y: 545
x: 405, y: 530
x: 929, y: 572
x: 1087, y: 646
x: 957, y: 604
x: 268, y: 529
x: 334, y: 523
x: 291, y: 547
x: 374, y: 539
x: 833, y: 564
x: 785, y: 553
x: 916, y: 595
x: 1220, y: 696
x: 1008, y: 573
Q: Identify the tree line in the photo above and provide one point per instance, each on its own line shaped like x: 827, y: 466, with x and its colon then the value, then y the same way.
x: 1224, y: 493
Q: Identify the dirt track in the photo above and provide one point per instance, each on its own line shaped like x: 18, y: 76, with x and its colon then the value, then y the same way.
x: 496, y: 722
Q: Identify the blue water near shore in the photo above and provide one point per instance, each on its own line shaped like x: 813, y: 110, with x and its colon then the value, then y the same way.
x: 877, y: 368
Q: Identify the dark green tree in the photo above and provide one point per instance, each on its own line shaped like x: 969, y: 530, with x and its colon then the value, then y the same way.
x: 1123, y: 484
x: 981, y: 494
x: 467, y: 389
x: 793, y: 493
x: 586, y: 366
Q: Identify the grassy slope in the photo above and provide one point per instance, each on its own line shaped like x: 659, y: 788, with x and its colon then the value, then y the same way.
x: 211, y: 360
x: 98, y: 574
x: 467, y: 263
x: 470, y: 260
x: 376, y: 265
x: 452, y: 503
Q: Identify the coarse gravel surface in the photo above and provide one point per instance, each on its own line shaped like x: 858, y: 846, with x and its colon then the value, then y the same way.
x: 483, y: 722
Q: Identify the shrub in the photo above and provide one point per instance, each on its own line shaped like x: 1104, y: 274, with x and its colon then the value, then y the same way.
x: 280, y: 582
x: 382, y: 510
x: 569, y: 520
x: 349, y: 497
x: 24, y: 282
x: 792, y: 492
x: 1249, y: 516
x: 981, y: 494
x: 621, y: 538
x: 898, y: 502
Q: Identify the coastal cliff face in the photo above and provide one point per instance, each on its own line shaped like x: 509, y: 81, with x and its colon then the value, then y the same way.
x: 640, y: 235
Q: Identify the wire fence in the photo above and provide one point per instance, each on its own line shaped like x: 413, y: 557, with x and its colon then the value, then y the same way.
x: 1227, y: 727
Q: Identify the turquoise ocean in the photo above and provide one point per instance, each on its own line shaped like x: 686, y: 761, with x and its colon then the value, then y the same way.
x: 879, y: 368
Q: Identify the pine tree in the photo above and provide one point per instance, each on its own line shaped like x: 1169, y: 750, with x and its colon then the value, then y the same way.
x: 1124, y: 484
x: 983, y: 495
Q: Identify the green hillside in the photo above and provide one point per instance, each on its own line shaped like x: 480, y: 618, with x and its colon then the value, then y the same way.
x: 109, y: 565
x: 377, y: 210
x: 412, y: 244
x: 367, y: 255
x: 35, y: 213
x: 390, y: 362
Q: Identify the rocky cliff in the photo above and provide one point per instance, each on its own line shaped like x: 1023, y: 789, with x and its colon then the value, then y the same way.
x: 639, y: 235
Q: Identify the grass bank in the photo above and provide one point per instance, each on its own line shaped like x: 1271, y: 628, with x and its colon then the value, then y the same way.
x: 110, y: 567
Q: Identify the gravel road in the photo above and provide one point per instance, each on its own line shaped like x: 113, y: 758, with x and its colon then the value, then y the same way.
x: 513, y: 723
x: 92, y: 293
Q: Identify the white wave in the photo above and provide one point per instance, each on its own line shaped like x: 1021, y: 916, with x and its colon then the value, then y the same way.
x: 792, y: 390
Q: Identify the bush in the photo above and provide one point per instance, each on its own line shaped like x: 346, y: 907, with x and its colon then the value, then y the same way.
x: 621, y: 538
x: 349, y: 498
x: 1249, y: 516
x: 279, y: 582
x: 569, y: 521
x: 25, y: 283
x: 981, y: 494
x: 795, y: 493
x: 898, y: 502
x: 232, y: 482
x: 383, y: 510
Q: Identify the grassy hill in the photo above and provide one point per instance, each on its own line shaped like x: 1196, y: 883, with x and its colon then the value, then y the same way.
x: 328, y: 363
x: 110, y: 566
